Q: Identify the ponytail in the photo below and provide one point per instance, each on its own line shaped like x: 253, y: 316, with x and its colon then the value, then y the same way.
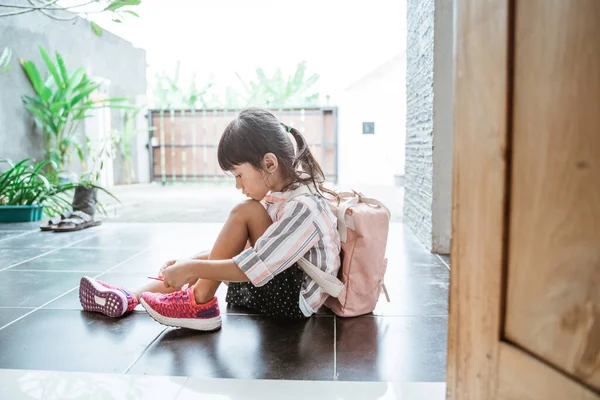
x: 305, y: 162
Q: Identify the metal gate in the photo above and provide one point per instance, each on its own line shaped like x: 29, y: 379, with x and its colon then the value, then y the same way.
x: 183, y: 143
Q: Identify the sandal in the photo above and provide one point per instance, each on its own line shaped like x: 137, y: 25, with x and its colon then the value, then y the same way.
x: 76, y: 222
x: 54, y: 221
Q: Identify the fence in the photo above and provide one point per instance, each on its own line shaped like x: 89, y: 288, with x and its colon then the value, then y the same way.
x: 183, y: 143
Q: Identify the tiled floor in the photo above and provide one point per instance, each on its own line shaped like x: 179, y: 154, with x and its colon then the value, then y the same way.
x: 25, y: 384
x: 42, y: 326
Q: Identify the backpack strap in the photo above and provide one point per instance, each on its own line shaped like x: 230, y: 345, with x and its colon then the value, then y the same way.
x: 329, y: 283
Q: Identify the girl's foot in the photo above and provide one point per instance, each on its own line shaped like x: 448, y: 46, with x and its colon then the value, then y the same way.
x: 95, y: 295
x: 179, y: 309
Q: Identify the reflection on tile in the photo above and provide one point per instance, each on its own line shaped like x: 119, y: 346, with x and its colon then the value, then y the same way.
x: 20, y: 226
x: 65, y: 340
x: 12, y: 256
x: 47, y: 240
x: 32, y: 289
x: 8, y: 315
x: 446, y: 259
x: 70, y: 259
x: 189, y: 237
x: 248, y: 347
x: 28, y: 384
x: 127, y: 281
x: 12, y: 233
x: 391, y: 349
x: 228, y: 389
x: 415, y: 294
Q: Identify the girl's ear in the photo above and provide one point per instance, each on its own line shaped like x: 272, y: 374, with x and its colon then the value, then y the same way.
x: 270, y: 163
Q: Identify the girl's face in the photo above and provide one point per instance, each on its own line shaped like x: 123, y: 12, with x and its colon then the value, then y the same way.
x: 250, y: 181
x: 256, y: 183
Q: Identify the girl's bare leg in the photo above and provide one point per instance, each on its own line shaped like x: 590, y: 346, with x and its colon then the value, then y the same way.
x: 247, y: 222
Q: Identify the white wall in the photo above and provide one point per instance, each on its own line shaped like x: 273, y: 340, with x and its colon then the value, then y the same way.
x: 380, y: 98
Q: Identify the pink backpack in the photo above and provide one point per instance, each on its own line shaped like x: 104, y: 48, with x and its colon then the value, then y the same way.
x: 363, y: 224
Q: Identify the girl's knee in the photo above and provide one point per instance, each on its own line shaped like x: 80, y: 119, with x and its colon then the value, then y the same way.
x: 249, y: 209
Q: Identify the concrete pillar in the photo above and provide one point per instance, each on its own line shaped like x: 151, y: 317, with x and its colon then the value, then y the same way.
x: 429, y: 95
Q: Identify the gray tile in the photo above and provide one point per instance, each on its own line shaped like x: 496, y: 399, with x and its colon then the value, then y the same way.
x: 50, y: 240
x: 12, y: 233
x: 8, y: 315
x: 64, y: 340
x: 391, y: 349
x: 415, y: 294
x: 20, y: 226
x: 32, y: 289
x: 70, y: 259
x: 247, y: 347
x: 12, y: 256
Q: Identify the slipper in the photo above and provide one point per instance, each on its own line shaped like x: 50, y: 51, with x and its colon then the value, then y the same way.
x: 76, y: 222
x: 54, y: 221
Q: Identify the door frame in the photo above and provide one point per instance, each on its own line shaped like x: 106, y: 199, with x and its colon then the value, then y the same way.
x: 481, y: 365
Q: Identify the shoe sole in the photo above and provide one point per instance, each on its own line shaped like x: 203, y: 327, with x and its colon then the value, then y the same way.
x: 208, y: 324
x: 97, y: 298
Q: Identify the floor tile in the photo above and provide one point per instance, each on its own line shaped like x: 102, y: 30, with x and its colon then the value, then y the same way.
x: 128, y: 281
x: 11, y: 256
x: 8, y: 315
x: 49, y: 240
x: 70, y: 259
x: 150, y: 261
x: 32, y: 384
x: 35, y: 384
x: 415, y: 294
x: 12, y: 233
x: 225, y: 389
x: 65, y: 340
x: 20, y: 226
x: 446, y: 259
x: 246, y: 347
x: 391, y: 349
x: 32, y: 289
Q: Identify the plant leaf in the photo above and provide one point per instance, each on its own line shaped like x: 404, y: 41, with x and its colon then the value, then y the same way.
x: 50, y: 65
x: 96, y: 28
x: 131, y: 12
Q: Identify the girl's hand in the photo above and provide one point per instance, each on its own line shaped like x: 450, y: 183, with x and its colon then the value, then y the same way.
x: 176, y: 275
x: 165, y: 266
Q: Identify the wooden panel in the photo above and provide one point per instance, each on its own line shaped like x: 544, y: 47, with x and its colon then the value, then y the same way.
x: 553, y: 305
x: 479, y: 177
x: 522, y: 377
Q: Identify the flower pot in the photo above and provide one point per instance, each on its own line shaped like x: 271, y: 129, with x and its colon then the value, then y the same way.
x: 21, y: 213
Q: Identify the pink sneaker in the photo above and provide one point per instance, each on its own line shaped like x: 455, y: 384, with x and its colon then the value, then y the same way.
x: 179, y: 309
x: 95, y: 295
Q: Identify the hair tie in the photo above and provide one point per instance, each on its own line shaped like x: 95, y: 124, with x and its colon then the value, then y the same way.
x: 288, y: 128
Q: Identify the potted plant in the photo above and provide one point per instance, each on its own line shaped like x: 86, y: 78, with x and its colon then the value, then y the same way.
x: 26, y: 190
x: 59, y: 105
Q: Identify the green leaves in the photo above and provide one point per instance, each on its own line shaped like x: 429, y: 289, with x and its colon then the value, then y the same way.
x: 60, y: 103
x: 5, y: 59
x: 115, y: 5
x: 96, y: 28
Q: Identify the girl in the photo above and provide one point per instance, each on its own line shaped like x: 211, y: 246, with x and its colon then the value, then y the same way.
x: 259, y: 245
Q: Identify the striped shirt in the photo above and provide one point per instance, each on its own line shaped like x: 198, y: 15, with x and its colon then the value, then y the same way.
x: 302, y: 227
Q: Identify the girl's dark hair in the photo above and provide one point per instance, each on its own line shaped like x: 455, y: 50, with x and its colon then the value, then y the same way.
x: 256, y: 132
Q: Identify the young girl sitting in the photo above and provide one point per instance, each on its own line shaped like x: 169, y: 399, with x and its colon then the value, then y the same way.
x: 259, y: 245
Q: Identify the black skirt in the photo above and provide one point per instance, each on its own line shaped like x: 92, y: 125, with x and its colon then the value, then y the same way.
x: 279, y: 298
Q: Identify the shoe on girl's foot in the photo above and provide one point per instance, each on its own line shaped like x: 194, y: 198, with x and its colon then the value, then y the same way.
x: 179, y: 309
x: 95, y: 295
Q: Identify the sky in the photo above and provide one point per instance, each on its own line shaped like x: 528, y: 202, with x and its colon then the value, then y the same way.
x: 340, y: 40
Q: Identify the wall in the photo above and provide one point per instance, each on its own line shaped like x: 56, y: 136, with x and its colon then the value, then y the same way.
x: 427, y: 200
x: 378, y: 97
x: 109, y: 57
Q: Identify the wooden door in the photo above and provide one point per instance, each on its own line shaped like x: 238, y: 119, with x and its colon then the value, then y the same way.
x: 525, y: 279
